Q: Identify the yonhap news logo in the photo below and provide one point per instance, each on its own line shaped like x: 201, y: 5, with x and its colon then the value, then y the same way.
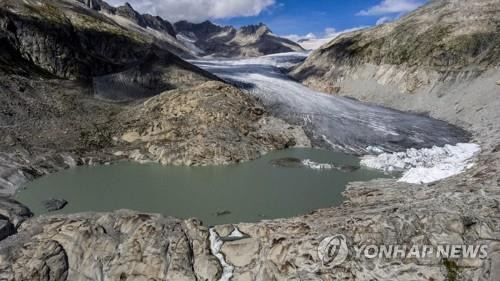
x: 334, y: 250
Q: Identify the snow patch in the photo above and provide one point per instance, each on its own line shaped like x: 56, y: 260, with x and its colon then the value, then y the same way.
x: 68, y: 160
x: 317, y: 166
x: 375, y: 150
x: 425, y: 165
x: 190, y: 43
x: 215, y: 247
x: 236, y: 233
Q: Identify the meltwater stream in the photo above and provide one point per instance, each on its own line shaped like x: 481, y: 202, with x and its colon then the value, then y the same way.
x: 332, y: 122
x: 246, y: 192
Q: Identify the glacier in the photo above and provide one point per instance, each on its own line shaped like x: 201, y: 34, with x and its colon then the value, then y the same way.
x: 332, y: 122
x: 425, y: 165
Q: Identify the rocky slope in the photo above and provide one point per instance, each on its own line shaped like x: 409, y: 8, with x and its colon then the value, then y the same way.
x: 158, y: 71
x: 226, y: 41
x: 73, y: 41
x: 213, y: 123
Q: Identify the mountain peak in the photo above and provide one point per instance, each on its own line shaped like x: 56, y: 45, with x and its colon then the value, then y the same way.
x: 259, y: 29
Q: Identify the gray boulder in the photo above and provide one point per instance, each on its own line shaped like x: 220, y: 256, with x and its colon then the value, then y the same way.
x: 54, y: 204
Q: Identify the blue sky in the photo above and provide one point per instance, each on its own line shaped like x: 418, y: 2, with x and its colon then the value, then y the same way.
x: 301, y: 17
x: 319, y: 16
x: 284, y: 17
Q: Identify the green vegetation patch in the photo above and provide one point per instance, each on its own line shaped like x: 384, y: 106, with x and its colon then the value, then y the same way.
x: 46, y: 11
x: 53, y: 14
x: 83, y: 21
x: 452, y: 270
x: 435, y: 47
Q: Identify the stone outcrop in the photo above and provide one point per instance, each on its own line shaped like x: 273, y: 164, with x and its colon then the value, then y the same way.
x: 116, y: 246
x: 54, y: 204
x: 213, y: 123
x: 20, y: 167
x: 13, y: 211
x: 227, y: 41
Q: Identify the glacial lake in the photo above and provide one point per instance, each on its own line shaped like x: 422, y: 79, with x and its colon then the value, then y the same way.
x: 246, y: 192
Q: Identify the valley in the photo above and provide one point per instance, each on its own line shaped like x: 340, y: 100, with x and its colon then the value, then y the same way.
x: 197, y: 151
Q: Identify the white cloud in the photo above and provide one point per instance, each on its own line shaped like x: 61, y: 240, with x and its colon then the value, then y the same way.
x: 297, y: 38
x: 198, y: 10
x: 312, y: 42
x: 383, y: 20
x: 330, y: 31
x: 392, y: 7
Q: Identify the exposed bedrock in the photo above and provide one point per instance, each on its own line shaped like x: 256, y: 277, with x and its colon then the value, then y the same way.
x: 115, y: 246
x: 57, y: 48
x: 213, y: 123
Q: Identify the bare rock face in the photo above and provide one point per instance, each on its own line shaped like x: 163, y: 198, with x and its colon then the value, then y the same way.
x: 54, y: 204
x: 13, y: 211
x: 117, y: 246
x: 6, y: 228
x: 74, y: 41
x: 20, y: 167
x: 42, y: 260
x: 213, y: 123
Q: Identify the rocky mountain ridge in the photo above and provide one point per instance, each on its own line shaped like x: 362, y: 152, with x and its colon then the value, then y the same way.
x: 205, y: 38
x: 438, y: 42
x: 227, y: 41
x: 128, y: 12
x: 71, y: 41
